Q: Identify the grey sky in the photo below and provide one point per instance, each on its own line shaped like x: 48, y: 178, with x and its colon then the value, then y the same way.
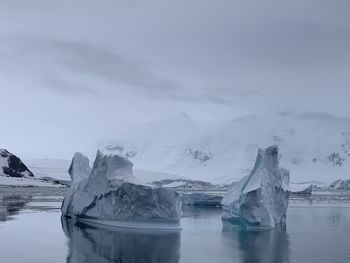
x: 83, y: 69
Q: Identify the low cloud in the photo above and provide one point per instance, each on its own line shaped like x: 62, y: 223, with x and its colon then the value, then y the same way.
x: 54, y: 62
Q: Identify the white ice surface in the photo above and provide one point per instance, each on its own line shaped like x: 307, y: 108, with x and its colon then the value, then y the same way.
x: 132, y: 225
x: 174, y: 184
x: 79, y: 170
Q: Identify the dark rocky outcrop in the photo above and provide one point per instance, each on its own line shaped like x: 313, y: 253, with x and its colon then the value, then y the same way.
x: 11, y: 165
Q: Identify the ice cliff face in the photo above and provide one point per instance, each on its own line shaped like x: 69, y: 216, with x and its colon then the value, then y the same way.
x: 261, y: 199
x: 111, y: 192
x: 79, y: 169
x: 11, y: 165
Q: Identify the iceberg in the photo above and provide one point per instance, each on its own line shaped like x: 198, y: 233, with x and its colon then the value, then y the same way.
x: 260, y: 199
x: 79, y: 169
x: 110, y: 194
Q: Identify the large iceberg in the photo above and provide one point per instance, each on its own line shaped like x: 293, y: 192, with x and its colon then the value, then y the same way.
x: 110, y: 194
x: 260, y: 199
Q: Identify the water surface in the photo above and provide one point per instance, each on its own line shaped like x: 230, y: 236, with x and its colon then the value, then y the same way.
x: 31, y: 230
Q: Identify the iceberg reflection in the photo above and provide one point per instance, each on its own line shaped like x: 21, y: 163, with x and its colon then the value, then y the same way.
x: 90, y: 244
x: 263, y: 246
x: 11, y: 205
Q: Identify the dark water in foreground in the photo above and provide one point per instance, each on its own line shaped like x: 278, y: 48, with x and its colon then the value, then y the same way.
x: 31, y: 231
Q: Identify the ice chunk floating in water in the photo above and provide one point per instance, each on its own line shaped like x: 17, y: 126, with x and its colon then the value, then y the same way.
x: 260, y: 199
x: 110, y: 194
x: 201, y: 199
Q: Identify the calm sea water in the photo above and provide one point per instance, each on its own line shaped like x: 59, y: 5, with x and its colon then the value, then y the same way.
x: 31, y: 230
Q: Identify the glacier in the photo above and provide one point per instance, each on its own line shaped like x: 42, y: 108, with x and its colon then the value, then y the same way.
x: 110, y: 194
x: 260, y: 199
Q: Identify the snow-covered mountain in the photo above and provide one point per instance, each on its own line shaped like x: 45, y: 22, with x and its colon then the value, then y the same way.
x: 314, y: 146
x: 340, y: 184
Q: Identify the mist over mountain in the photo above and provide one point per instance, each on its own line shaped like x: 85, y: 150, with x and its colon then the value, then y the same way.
x: 314, y: 146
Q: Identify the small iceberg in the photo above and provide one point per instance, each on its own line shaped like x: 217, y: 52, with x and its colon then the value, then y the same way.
x: 109, y: 194
x: 260, y: 199
x: 201, y: 199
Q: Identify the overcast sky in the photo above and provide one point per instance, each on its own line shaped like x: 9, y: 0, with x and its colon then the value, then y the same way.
x: 72, y: 72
